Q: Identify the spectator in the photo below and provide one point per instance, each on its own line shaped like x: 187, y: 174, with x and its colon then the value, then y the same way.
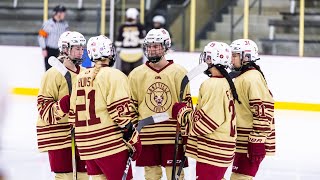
x: 50, y: 32
x: 158, y: 22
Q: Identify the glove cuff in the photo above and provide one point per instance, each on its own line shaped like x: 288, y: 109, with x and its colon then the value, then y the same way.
x: 133, y: 140
x: 255, y: 139
x: 183, y: 112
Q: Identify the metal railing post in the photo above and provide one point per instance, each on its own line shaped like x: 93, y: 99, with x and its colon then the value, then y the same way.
x: 183, y: 34
x: 103, y: 17
x: 231, y: 21
x: 15, y: 3
x: 192, y: 25
x: 80, y: 4
x: 301, y: 28
x: 111, y: 27
x: 260, y: 7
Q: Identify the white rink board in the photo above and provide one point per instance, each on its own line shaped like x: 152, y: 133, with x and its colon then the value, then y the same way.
x: 291, y: 79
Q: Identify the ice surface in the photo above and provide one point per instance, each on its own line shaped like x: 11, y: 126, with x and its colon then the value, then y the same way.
x: 297, y: 158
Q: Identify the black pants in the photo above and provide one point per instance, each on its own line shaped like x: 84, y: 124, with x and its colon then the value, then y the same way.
x: 50, y: 52
x: 127, y: 67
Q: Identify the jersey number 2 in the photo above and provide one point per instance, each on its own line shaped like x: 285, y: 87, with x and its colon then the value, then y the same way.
x: 93, y: 119
x: 233, y: 115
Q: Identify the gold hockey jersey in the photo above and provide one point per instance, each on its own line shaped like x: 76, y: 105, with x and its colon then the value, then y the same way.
x: 155, y: 91
x: 211, y: 127
x: 255, y: 116
x: 53, y: 129
x: 100, y: 108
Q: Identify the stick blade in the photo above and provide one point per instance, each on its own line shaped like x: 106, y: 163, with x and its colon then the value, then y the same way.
x: 157, y: 118
x: 160, y: 117
x: 197, y: 70
x: 54, y: 62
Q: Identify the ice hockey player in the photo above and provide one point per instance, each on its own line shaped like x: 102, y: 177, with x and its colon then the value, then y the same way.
x: 212, y: 125
x: 53, y: 129
x: 100, y: 104
x: 255, y: 114
x: 129, y: 41
x: 155, y: 87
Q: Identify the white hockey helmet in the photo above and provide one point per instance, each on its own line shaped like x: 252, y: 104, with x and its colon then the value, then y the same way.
x: 76, y: 39
x: 160, y: 36
x: 100, y: 47
x: 159, y: 19
x: 63, y: 41
x: 132, y: 13
x: 246, y: 48
x: 156, y: 36
x: 216, y: 53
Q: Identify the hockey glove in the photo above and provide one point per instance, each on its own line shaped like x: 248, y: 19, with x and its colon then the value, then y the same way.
x: 179, y: 111
x: 256, y: 150
x: 132, y: 140
x: 64, y: 104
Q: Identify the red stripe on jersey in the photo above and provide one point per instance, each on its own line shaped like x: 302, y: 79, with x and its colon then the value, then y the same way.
x: 114, y: 104
x: 54, y: 145
x: 62, y: 126
x: 215, y: 157
x: 243, y: 132
x: 63, y: 139
x: 53, y: 138
x: 54, y: 131
x: 87, y: 149
x: 227, y: 144
x: 98, y: 137
x: 266, y: 129
x: 207, y: 118
x: 244, y: 145
x: 149, y: 136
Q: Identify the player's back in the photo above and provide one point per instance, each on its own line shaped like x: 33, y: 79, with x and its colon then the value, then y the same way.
x: 213, y: 132
x: 97, y: 107
x: 216, y: 92
x: 255, y: 111
x: 96, y: 92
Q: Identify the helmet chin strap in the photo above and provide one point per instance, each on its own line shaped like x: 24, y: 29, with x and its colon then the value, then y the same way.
x: 155, y: 59
x: 242, y: 63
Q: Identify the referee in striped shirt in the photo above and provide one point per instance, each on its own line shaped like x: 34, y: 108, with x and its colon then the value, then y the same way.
x: 50, y: 32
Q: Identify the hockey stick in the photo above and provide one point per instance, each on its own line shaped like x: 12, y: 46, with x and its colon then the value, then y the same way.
x: 187, y: 78
x: 54, y: 62
x: 157, y: 118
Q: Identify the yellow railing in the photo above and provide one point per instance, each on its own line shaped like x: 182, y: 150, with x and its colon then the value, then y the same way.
x: 192, y: 25
x: 45, y: 10
x: 103, y: 18
x: 246, y: 19
x: 142, y: 6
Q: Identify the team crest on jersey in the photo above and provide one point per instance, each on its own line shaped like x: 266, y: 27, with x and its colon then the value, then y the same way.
x: 158, y: 98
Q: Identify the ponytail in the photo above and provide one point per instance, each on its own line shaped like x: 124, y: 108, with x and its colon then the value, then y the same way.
x: 96, y: 69
x: 229, y: 79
